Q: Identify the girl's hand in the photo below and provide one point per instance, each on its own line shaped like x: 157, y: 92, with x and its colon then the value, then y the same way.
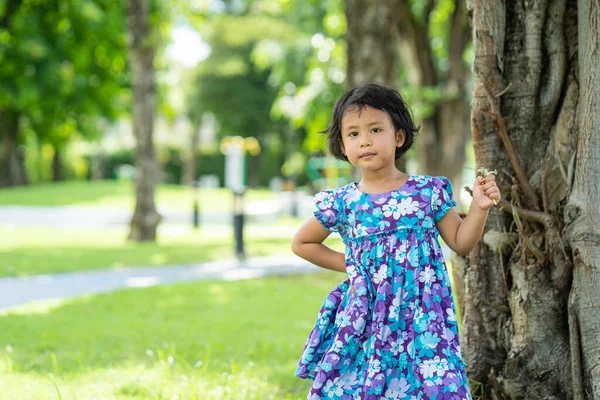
x: 485, y: 190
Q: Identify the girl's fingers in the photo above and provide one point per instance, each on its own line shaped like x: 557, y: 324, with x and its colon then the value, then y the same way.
x: 490, y: 185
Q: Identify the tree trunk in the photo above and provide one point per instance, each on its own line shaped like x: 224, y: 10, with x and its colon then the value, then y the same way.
x: 372, y: 51
x: 372, y: 42
x: 522, y: 337
x: 582, y: 214
x: 57, y: 166
x: 442, y: 138
x: 14, y: 172
x: 141, y: 58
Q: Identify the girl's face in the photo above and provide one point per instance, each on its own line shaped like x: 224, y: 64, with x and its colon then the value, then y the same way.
x: 369, y: 139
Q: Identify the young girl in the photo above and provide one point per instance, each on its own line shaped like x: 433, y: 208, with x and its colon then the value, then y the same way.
x: 389, y: 331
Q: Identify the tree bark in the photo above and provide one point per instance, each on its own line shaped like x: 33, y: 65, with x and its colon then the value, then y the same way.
x: 14, y: 172
x: 372, y: 42
x: 141, y: 58
x: 582, y: 214
x: 531, y: 285
x: 57, y: 165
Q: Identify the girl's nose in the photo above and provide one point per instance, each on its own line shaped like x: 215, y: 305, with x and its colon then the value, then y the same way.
x: 364, y: 141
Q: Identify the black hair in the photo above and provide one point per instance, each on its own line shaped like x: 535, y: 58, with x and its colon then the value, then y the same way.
x: 381, y: 98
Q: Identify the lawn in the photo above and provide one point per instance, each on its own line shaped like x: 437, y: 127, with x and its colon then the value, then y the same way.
x: 206, y: 340
x: 120, y: 194
x: 27, y: 251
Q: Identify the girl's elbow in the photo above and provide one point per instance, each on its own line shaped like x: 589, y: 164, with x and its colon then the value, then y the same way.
x: 463, y: 251
x: 296, y: 248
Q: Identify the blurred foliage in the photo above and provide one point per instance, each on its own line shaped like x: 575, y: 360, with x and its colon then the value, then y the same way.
x: 63, y: 64
x: 274, y: 66
x: 438, y: 24
x: 275, y: 69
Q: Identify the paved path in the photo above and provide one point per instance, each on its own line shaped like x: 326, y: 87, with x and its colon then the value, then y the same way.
x: 94, y: 217
x: 19, y: 291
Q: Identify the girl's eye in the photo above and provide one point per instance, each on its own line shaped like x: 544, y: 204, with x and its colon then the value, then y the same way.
x: 353, y: 134
x: 375, y: 130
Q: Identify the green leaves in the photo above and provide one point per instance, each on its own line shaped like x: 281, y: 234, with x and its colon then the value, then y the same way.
x: 62, y: 61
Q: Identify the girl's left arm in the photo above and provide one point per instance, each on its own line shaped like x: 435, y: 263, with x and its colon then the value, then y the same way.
x: 462, y: 235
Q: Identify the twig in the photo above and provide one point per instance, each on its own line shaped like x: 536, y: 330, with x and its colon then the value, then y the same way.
x: 529, y: 215
x: 532, y: 200
x: 534, y: 250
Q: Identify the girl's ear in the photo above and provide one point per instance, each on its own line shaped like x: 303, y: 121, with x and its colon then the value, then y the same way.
x: 400, y: 137
x: 342, y: 147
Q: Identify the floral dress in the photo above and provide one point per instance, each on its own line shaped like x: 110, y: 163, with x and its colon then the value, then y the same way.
x: 397, y: 336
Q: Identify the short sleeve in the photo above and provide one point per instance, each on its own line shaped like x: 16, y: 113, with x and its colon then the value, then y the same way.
x: 441, y: 199
x: 326, y: 210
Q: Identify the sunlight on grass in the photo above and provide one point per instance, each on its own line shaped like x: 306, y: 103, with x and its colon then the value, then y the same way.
x: 206, y: 340
x: 121, y: 194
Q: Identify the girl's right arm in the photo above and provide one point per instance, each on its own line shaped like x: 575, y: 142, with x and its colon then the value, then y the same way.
x: 308, y: 244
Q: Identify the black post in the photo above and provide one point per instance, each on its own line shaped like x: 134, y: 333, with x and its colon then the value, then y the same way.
x: 238, y: 221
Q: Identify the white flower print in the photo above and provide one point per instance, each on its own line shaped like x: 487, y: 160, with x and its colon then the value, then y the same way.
x: 396, y: 347
x: 435, y: 198
x: 451, y: 316
x: 332, y: 389
x: 348, y: 380
x: 375, y: 366
x: 400, y: 255
x: 395, y: 308
x: 428, y: 368
x: 381, y: 274
x: 324, y: 199
x: 392, y: 209
x: 435, y: 366
x: 408, y: 206
x: 427, y: 276
x: 361, y: 230
x: 397, y: 389
x: 352, y: 196
x: 359, y: 323
x: 337, y: 346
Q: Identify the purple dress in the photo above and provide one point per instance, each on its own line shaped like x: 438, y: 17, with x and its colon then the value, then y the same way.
x: 397, y: 337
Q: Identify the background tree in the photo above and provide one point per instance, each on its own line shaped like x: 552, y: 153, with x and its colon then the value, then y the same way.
x: 530, y: 308
x: 62, y: 68
x: 141, y: 58
x: 433, y: 36
x: 372, y: 42
x: 424, y: 41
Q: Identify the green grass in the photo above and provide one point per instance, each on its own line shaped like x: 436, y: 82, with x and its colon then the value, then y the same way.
x: 207, y: 340
x: 120, y: 194
x: 27, y: 251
